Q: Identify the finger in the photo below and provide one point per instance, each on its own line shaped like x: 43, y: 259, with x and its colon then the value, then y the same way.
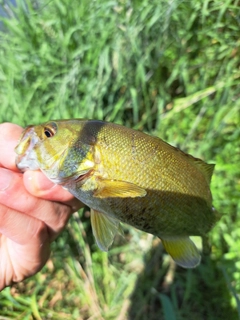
x: 19, y: 262
x: 10, y: 134
x: 25, y: 246
x: 14, y: 196
x: 40, y: 186
x: 20, y: 227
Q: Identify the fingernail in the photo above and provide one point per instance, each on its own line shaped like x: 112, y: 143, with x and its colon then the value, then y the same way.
x: 6, y: 177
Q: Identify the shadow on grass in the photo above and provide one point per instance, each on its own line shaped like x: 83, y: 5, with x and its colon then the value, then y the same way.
x: 174, y: 293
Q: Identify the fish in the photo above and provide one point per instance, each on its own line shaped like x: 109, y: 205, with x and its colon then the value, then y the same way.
x: 125, y: 176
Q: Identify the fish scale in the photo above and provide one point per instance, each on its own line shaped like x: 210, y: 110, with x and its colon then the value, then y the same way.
x: 165, y: 173
x: 127, y: 176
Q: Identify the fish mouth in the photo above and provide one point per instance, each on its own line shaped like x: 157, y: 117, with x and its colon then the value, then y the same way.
x: 26, y: 159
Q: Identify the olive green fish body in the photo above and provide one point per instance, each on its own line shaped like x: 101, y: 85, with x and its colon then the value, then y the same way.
x: 128, y: 176
x: 173, y: 195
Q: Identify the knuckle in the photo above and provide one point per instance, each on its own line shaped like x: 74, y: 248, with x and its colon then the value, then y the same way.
x: 63, y: 213
x: 41, y: 231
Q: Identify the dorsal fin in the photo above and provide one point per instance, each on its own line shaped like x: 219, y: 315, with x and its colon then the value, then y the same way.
x: 205, y: 168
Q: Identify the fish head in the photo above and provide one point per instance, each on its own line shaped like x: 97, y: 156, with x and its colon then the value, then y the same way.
x: 60, y: 149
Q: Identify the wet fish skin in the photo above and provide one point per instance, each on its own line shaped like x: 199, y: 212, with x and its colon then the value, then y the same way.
x: 125, y: 175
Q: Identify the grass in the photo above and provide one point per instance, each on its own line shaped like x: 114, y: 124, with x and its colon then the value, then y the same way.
x: 170, y: 68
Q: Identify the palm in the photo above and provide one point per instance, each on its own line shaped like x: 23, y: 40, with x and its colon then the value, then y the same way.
x: 19, y: 261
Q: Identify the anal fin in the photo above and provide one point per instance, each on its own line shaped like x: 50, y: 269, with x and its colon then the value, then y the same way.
x: 183, y: 251
x: 104, y: 229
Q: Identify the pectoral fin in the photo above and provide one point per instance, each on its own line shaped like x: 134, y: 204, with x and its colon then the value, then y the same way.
x: 118, y: 189
x: 183, y: 251
x: 104, y: 229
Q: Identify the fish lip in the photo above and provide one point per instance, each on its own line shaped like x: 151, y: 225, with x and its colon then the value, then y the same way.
x: 25, y: 159
x: 22, y: 163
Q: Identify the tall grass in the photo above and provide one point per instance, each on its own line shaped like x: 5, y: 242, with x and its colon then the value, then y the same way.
x: 170, y: 68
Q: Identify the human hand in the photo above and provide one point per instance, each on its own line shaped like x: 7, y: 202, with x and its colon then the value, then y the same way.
x: 33, y: 211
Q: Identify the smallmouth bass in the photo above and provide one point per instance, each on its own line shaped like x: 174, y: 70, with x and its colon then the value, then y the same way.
x: 125, y: 175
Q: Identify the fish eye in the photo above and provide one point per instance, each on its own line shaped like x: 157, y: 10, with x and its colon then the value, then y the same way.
x: 50, y: 129
x: 48, y: 133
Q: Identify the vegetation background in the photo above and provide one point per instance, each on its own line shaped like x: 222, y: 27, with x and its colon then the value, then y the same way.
x: 170, y: 68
